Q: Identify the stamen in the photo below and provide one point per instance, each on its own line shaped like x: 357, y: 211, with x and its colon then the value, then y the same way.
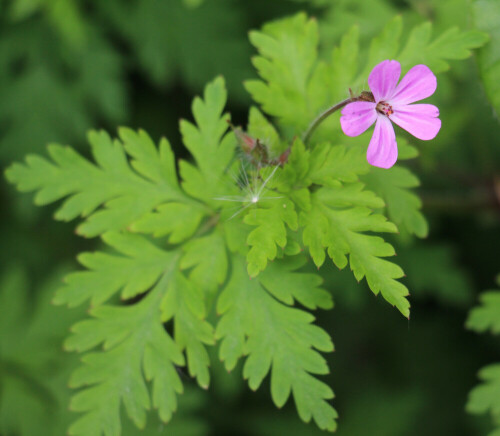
x: 384, y: 108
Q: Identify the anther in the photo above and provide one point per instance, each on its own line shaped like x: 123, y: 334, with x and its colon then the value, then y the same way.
x: 384, y: 108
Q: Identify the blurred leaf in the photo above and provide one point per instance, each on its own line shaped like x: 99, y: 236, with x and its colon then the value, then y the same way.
x: 187, y: 420
x: 487, y: 316
x: 486, y: 15
x: 63, y: 14
x: 486, y: 397
x: 369, y: 17
x: 173, y: 41
x: 193, y: 3
x: 54, y: 91
x: 432, y: 271
x: 33, y: 366
x: 450, y: 45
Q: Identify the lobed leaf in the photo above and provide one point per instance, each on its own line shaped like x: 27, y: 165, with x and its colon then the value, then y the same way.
x: 109, y: 194
x: 486, y: 14
x: 208, y: 143
x: 185, y: 303
x: 450, y: 45
x: 337, y: 222
x: 133, y: 271
x: 487, y: 315
x: 277, y: 338
x: 333, y: 164
x: 286, y: 62
x: 486, y: 397
x: 136, y: 347
x: 403, y: 207
x: 270, y: 232
x: 207, y: 258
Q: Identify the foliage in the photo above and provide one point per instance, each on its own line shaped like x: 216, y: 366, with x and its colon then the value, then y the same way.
x: 486, y: 14
x: 33, y: 327
x: 34, y: 67
x: 192, y: 55
x: 485, y: 397
x: 213, y: 250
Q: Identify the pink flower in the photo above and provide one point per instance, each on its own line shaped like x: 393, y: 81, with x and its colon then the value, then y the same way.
x: 391, y: 102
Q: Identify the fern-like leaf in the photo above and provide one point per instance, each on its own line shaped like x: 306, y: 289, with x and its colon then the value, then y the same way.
x: 277, y: 338
x: 127, y: 190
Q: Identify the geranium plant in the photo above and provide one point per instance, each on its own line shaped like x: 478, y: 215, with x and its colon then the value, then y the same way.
x: 226, y: 249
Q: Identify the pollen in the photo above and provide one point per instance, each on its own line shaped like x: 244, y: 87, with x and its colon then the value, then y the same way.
x: 384, y: 108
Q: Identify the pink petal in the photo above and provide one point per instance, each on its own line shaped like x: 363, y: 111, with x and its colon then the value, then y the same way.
x: 418, y: 119
x: 418, y: 83
x: 383, y: 80
x: 357, y: 117
x: 383, y: 149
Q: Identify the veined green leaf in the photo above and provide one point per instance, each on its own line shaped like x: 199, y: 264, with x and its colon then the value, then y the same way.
x: 125, y: 194
x: 277, y: 338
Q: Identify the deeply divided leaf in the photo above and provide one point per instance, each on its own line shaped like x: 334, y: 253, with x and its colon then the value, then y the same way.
x: 277, y: 338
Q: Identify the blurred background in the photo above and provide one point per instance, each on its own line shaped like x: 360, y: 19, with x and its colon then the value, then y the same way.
x: 70, y: 65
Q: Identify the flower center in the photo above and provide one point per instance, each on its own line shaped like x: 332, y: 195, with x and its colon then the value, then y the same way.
x: 384, y: 108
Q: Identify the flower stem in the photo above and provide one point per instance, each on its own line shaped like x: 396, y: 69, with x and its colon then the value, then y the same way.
x: 321, y: 117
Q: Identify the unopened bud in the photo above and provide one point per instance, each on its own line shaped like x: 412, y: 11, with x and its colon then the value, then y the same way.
x: 245, y: 141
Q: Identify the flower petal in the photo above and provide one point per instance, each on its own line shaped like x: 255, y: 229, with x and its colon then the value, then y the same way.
x: 383, y: 149
x: 383, y: 80
x: 357, y: 117
x: 418, y: 119
x: 418, y: 83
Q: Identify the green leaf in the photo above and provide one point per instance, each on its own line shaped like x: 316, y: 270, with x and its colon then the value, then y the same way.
x: 125, y: 194
x: 450, y: 45
x: 433, y: 271
x: 269, y: 233
x: 133, y: 272
x: 486, y: 397
x: 196, y: 57
x: 294, y: 175
x: 96, y: 93
x: 208, y: 260
x: 210, y: 146
x: 132, y: 341
x: 333, y: 164
x: 486, y: 14
x: 334, y: 225
x: 136, y: 347
x: 403, y: 207
x: 178, y: 220
x: 184, y: 301
x: 487, y: 315
x: 277, y: 338
x: 344, y: 64
x: 260, y: 128
x: 286, y: 62
x: 383, y: 46
x: 34, y: 391
x: 284, y: 283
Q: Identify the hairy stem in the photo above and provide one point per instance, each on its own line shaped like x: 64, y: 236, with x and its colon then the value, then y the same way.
x: 321, y: 117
